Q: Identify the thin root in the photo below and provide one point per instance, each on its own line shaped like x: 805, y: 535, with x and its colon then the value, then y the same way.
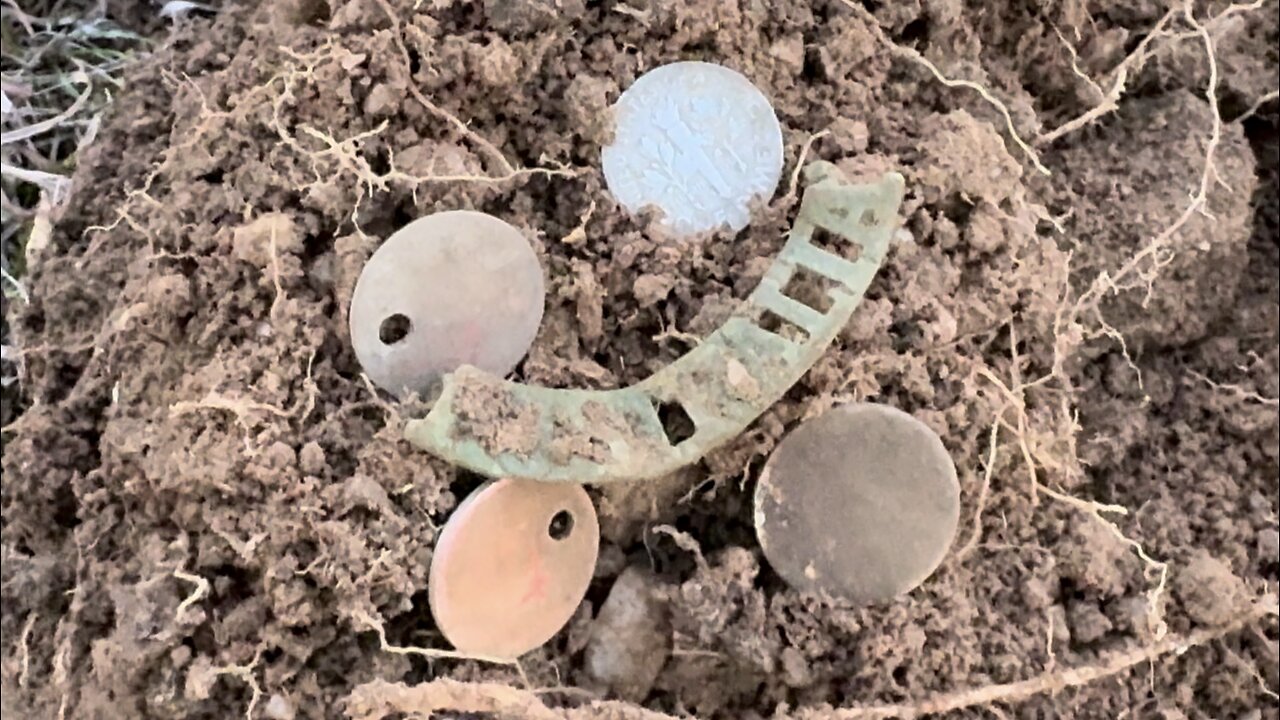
x: 24, y: 641
x: 1155, y: 254
x: 1236, y: 391
x: 275, y: 274
x: 1120, y: 74
x: 378, y: 699
x: 794, y: 183
x: 981, y: 503
x: 1016, y: 399
x: 199, y: 593
x: 245, y: 673
x: 1047, y: 682
x: 1257, y: 105
x: 685, y: 541
x: 915, y: 57
x: 242, y: 409
x: 1249, y: 669
x: 431, y: 653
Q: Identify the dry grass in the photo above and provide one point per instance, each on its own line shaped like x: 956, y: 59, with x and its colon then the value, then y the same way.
x: 61, y: 63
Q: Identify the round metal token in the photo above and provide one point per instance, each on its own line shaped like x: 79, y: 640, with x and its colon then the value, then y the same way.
x: 449, y: 289
x: 861, y: 502
x: 512, y: 564
x: 696, y: 140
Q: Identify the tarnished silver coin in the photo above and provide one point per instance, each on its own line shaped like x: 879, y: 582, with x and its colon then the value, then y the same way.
x: 696, y: 140
x: 449, y: 289
x: 861, y: 502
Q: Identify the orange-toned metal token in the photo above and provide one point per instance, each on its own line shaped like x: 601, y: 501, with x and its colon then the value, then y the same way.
x: 512, y: 564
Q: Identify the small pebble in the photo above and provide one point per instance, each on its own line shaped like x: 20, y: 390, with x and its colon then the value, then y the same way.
x: 1268, y: 545
x: 278, y: 707
x: 631, y: 637
x: 795, y: 668
x: 311, y: 458
x: 1210, y: 592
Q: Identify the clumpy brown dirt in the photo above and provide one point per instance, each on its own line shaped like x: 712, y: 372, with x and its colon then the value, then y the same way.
x: 209, y: 514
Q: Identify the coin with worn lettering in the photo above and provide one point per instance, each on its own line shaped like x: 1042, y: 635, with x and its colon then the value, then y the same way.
x: 697, y: 141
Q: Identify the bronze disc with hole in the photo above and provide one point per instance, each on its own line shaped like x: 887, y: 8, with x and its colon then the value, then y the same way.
x: 449, y: 289
x: 512, y: 564
x: 861, y: 502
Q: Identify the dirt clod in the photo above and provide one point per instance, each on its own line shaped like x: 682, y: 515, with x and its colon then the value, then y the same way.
x: 1209, y: 591
x: 1145, y: 162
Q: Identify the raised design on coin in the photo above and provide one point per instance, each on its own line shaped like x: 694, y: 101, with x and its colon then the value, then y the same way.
x: 696, y: 140
x: 861, y: 502
x: 450, y: 289
x: 511, y: 566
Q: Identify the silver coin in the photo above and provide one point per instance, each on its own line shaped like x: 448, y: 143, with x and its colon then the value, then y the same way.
x: 449, y: 289
x: 861, y: 502
x: 696, y: 140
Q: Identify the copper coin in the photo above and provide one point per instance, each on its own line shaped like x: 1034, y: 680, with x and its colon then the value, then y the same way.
x: 449, y: 289
x: 861, y: 502
x: 512, y: 564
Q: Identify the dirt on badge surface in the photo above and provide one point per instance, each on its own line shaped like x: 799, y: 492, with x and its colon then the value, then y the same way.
x: 209, y: 513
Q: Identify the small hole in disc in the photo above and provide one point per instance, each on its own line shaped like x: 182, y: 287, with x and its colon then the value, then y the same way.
x: 868, y: 218
x: 561, y: 525
x: 394, y: 329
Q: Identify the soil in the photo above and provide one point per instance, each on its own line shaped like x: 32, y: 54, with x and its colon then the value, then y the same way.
x: 208, y: 513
